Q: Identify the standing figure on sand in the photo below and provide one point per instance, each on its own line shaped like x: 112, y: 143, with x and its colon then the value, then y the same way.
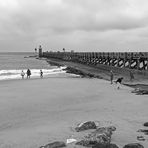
x: 131, y: 76
x: 41, y: 74
x: 111, y: 76
x: 22, y: 74
x: 28, y: 73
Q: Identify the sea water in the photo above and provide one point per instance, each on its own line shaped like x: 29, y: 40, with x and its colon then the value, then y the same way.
x: 11, y: 65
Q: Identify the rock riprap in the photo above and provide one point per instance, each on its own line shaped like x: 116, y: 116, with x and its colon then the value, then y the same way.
x: 145, y: 124
x: 105, y: 146
x: 133, y: 145
x: 56, y: 144
x: 86, y: 126
x: 99, y: 136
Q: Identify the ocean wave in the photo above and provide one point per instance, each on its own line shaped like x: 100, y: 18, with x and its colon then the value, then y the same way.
x: 16, y: 74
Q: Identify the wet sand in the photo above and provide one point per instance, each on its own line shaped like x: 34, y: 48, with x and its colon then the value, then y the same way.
x: 38, y: 111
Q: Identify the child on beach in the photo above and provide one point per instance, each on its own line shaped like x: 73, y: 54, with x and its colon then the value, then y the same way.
x: 22, y: 74
x: 118, y: 82
x: 41, y: 73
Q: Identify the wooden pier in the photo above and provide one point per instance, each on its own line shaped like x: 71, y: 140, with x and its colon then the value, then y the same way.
x: 130, y: 60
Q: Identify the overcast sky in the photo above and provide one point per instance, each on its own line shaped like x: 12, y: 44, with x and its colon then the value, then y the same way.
x: 80, y: 25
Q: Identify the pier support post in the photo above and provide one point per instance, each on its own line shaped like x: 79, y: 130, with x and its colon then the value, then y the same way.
x: 147, y: 65
x: 138, y: 64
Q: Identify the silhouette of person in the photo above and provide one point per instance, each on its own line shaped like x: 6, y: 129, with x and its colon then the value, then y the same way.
x: 131, y: 76
x: 28, y: 73
x: 111, y: 76
x: 41, y: 73
x: 22, y: 74
x: 118, y: 82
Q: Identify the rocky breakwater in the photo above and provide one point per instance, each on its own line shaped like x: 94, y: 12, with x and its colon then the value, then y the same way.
x: 74, y: 70
x: 95, y: 137
x: 100, y: 137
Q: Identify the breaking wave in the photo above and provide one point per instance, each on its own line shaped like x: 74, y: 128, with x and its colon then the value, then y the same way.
x: 16, y: 74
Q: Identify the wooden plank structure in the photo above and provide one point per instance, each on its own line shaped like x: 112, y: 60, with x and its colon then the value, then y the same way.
x: 130, y: 60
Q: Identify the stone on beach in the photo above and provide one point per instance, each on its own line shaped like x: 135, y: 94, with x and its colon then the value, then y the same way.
x: 145, y: 124
x: 145, y: 131
x: 140, y: 138
x: 86, y: 126
x: 105, y: 130
x: 99, y: 145
x: 138, y: 91
x: 56, y: 144
x: 134, y: 145
x: 101, y: 135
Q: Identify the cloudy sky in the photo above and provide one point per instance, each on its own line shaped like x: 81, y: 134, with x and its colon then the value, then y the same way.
x: 80, y: 25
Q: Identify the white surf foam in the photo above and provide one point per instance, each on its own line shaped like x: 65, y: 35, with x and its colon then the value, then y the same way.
x: 16, y: 74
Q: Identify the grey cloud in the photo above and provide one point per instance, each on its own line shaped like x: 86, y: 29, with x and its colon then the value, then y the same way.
x: 90, y: 23
x: 37, y: 15
x: 33, y: 21
x: 97, y: 16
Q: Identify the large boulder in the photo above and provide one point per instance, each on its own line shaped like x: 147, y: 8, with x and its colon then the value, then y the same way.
x: 140, y: 138
x: 86, y: 126
x: 105, y: 146
x: 145, y: 131
x: 99, y: 136
x: 145, y: 124
x: 134, y: 145
x: 138, y: 91
x: 56, y: 144
x: 107, y: 130
x: 86, y: 143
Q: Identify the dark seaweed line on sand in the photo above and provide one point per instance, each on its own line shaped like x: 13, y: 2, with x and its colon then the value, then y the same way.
x: 81, y: 73
x: 73, y: 70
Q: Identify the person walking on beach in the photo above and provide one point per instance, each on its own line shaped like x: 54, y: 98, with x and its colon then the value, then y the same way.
x: 28, y: 73
x: 22, y: 74
x: 111, y: 76
x: 118, y: 82
x: 41, y: 73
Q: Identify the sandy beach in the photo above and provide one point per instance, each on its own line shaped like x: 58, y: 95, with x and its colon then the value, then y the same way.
x: 36, y: 112
x: 69, y: 63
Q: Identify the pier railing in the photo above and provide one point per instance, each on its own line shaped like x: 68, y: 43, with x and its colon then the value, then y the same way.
x: 131, y: 60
